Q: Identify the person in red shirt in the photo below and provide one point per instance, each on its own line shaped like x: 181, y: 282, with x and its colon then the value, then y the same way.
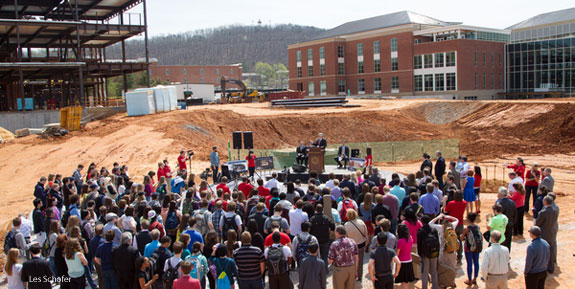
x: 168, y: 174
x: 160, y: 172
x: 223, y: 185
x: 532, y: 178
x: 518, y: 168
x: 262, y: 191
x: 285, y: 240
x: 251, y: 158
x: 182, y: 159
x: 477, y: 188
x: 245, y: 187
x: 456, y: 208
x: 187, y: 281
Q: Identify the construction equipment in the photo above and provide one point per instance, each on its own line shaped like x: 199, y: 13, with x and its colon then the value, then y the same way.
x: 242, y: 96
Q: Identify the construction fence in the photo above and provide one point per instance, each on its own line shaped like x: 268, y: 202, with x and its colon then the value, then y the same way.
x: 381, y: 151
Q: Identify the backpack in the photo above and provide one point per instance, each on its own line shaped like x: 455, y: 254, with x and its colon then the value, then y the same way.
x: 430, y: 248
x: 46, y: 247
x: 229, y: 224
x: 276, y: 262
x: 171, y: 274
x: 251, y: 203
x: 171, y: 221
x: 301, y: 249
x: 65, y: 218
x: 347, y: 204
x: 473, y: 240
x: 197, y: 269
x: 187, y: 208
x: 154, y: 266
x: 10, y: 241
x: 451, y: 241
x: 202, y: 223
x: 223, y: 281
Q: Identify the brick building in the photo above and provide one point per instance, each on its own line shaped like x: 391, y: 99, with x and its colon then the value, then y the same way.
x: 209, y: 74
x: 401, y: 54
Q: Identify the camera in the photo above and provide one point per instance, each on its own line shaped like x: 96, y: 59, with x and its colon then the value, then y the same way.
x: 190, y: 153
x: 205, y: 174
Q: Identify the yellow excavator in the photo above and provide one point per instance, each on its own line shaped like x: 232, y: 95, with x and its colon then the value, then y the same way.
x: 242, y: 96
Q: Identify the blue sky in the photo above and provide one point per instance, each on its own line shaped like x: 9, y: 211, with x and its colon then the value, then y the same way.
x: 175, y: 16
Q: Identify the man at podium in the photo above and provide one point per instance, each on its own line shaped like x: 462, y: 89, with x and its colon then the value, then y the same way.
x: 320, y: 142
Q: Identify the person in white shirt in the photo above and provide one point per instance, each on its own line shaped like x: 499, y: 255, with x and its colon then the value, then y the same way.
x: 464, y: 168
x: 495, y: 263
x: 330, y: 183
x: 515, y: 179
x: 176, y: 259
x: 273, y: 183
x: 26, y: 227
x: 12, y: 270
x: 296, y: 218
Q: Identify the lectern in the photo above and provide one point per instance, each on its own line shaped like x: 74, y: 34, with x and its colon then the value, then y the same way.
x: 316, y: 160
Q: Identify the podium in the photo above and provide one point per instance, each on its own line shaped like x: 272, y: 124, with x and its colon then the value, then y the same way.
x: 316, y: 160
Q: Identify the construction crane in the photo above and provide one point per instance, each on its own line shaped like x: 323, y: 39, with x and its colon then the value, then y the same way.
x: 244, y: 95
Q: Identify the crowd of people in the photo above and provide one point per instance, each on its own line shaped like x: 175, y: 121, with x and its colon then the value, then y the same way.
x: 101, y: 228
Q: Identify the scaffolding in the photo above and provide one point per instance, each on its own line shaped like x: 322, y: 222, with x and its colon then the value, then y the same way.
x: 53, y: 52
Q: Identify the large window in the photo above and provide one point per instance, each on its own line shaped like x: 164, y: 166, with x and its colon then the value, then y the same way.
x: 309, y: 54
x: 428, y: 82
x: 167, y: 72
x: 492, y: 80
x: 439, y: 82
x: 394, y: 82
x: 322, y: 69
x: 341, y: 68
x: 360, y: 49
x: 377, y: 84
x: 310, y: 89
x: 475, y: 59
x: 475, y: 86
x: 450, y: 59
x: 340, y: 51
x: 201, y: 71
x: 360, y: 67
x: 322, y: 87
x: 439, y: 60
x: 377, y: 65
x: 417, y: 63
x: 394, y: 65
x: 484, y: 60
x: 298, y: 53
x: 361, y: 85
x: 393, y: 44
x: 428, y: 61
x: 231, y: 71
x: 450, y: 81
x: 376, y: 47
x: 186, y: 71
x: 418, y: 82
x: 217, y: 71
x: 484, y: 80
x: 341, y: 85
x: 321, y: 53
x: 299, y: 73
x: 310, y: 70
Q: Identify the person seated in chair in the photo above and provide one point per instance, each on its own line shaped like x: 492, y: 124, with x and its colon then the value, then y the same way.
x: 301, y: 154
x: 342, y: 155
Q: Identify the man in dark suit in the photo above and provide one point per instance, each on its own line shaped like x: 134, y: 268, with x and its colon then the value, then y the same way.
x: 320, y: 141
x: 36, y: 272
x: 301, y: 154
x: 122, y: 255
x: 342, y: 155
x: 426, y: 163
x: 547, y: 220
x: 510, y: 211
x: 439, y: 168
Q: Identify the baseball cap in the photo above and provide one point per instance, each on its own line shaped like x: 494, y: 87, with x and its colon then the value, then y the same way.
x: 151, y: 214
x: 110, y: 216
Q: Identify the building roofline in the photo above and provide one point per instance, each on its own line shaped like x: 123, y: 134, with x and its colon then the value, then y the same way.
x: 462, y: 27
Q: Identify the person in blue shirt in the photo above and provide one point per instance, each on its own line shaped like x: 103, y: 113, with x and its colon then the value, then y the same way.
x: 215, y: 162
x: 104, y: 260
x: 177, y: 183
x: 538, y: 254
x: 195, y: 236
x: 93, y: 245
x: 74, y: 206
x: 429, y: 202
x: 152, y: 246
x: 397, y: 191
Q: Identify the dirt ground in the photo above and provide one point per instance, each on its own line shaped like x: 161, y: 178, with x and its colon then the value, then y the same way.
x: 490, y: 132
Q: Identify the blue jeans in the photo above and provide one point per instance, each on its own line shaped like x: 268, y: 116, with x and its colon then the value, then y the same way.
x: 88, y: 274
x: 53, y: 266
x: 251, y: 284
x: 110, y: 279
x: 472, y: 260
